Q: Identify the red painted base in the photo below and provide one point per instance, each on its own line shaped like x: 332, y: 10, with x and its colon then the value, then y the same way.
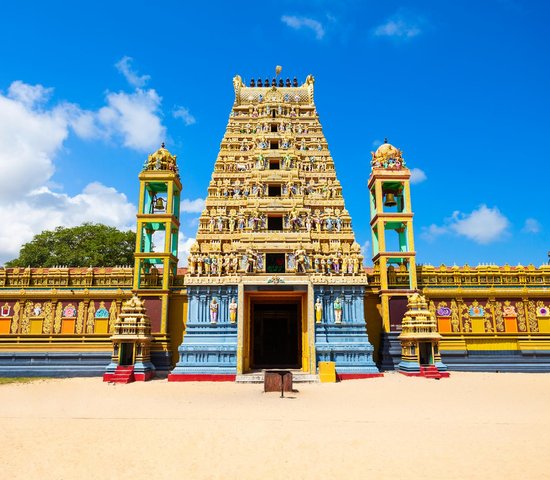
x: 143, y: 377
x: 120, y: 375
x: 127, y: 375
x: 178, y: 377
x: 356, y: 376
x: 427, y: 372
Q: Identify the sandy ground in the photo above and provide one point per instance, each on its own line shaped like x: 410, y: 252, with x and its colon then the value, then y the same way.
x: 468, y: 426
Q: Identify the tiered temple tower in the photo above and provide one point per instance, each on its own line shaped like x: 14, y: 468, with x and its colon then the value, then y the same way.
x: 392, y: 242
x: 274, y: 245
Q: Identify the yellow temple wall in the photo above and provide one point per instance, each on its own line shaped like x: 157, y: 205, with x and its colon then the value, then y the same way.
x: 177, y: 316
x: 514, y: 301
x: 373, y: 314
x: 496, y: 316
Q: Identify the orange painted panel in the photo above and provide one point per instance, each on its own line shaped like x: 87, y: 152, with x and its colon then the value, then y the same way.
x: 510, y: 324
x: 67, y: 325
x: 5, y: 324
x: 444, y: 324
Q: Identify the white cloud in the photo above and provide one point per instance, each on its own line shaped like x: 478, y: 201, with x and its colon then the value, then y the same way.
x: 29, y: 139
x: 42, y: 209
x: 134, y: 117
x: 184, y: 246
x: 484, y: 225
x: 531, y: 225
x: 32, y: 134
x: 365, y: 249
x: 417, y: 175
x: 124, y: 66
x: 192, y: 206
x: 300, y: 22
x: 185, y: 115
x: 29, y: 95
x: 433, y: 231
x: 401, y: 25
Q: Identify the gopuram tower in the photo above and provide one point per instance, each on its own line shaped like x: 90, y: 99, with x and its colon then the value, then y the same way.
x: 275, y: 278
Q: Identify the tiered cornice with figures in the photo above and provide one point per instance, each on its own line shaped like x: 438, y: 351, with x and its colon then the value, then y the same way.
x: 274, y: 189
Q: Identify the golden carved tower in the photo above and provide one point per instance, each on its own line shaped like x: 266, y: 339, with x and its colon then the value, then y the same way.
x: 274, y: 238
x: 274, y: 204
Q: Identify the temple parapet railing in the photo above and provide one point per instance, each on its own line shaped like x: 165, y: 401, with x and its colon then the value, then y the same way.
x: 482, y: 276
x: 112, y: 277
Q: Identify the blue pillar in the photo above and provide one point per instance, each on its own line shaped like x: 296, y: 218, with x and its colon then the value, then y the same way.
x: 346, y: 343
x: 208, y: 348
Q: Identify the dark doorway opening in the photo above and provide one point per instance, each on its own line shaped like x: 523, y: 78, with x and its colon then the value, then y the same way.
x: 275, y: 263
x: 126, y: 354
x: 273, y: 128
x: 274, y: 191
x: 274, y: 223
x: 274, y: 165
x: 276, y: 335
x: 274, y: 145
x: 425, y: 350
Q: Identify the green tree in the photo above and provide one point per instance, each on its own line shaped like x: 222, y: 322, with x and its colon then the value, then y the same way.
x: 87, y: 245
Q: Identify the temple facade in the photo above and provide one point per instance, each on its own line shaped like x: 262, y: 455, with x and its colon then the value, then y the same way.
x: 275, y: 278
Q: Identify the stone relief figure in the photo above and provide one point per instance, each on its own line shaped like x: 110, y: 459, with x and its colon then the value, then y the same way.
x: 214, y: 311
x: 233, y: 311
x: 337, y: 311
x: 250, y: 261
x: 234, y: 265
x: 192, y: 262
x: 318, y: 310
x: 37, y: 310
x: 300, y: 255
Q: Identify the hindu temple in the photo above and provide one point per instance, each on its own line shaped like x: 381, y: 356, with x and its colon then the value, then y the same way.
x: 275, y: 278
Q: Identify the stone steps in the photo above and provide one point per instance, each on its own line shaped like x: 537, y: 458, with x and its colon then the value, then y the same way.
x: 258, y: 377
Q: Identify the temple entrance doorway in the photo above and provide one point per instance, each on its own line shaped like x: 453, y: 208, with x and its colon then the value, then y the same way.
x: 126, y: 354
x: 276, y: 339
x: 425, y: 351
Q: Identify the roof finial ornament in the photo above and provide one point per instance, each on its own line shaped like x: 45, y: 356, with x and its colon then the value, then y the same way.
x: 385, y: 139
x: 278, y: 69
x: 162, y: 145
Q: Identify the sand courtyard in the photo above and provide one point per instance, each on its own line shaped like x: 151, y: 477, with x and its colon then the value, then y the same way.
x: 472, y: 425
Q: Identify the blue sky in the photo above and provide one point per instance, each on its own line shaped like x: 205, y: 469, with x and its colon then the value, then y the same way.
x: 87, y: 90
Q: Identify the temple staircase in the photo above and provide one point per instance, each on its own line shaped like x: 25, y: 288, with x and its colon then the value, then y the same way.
x: 123, y: 374
x: 258, y: 377
x: 431, y: 371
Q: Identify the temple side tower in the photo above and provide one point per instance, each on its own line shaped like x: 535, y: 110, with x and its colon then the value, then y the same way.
x: 420, y: 341
x: 392, y: 242
x: 131, y: 358
x: 156, y: 253
x: 274, y: 244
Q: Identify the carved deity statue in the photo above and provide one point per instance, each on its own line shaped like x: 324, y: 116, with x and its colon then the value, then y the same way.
x: 300, y: 256
x: 318, y: 310
x: 233, y: 311
x: 214, y: 311
x: 337, y: 311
